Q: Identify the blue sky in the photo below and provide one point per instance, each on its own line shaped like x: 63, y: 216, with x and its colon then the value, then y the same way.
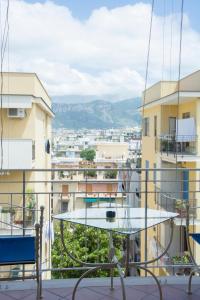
x: 83, y: 8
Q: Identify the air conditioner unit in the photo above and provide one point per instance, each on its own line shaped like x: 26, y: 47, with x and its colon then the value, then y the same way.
x: 16, y: 113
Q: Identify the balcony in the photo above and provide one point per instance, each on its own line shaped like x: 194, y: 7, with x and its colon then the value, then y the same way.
x: 177, y: 148
x: 17, y: 154
x: 137, y: 285
x: 172, y: 202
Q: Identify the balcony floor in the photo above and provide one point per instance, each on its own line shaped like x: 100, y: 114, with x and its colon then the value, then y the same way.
x: 98, y: 289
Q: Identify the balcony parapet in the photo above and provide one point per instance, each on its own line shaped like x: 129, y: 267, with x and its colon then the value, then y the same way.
x: 177, y: 145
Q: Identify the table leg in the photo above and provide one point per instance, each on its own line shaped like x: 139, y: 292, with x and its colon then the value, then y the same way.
x: 155, y: 278
x: 113, y: 259
x: 143, y: 265
x: 111, y: 256
x: 82, y: 276
x: 122, y: 282
x: 111, y: 279
x: 127, y: 255
x: 95, y: 266
x: 189, y: 290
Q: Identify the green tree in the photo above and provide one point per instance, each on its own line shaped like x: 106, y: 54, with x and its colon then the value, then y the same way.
x: 88, y: 154
x: 87, y: 244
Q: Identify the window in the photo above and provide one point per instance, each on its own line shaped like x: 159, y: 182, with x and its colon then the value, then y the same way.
x: 147, y: 164
x: 147, y: 167
x: 155, y: 125
x: 146, y: 127
x: 172, y: 126
x: 33, y: 150
x: 154, y: 173
x: 89, y: 188
x: 109, y: 187
x: 65, y: 189
x: 184, y: 245
x: 64, y: 207
x: 137, y: 193
x: 186, y: 115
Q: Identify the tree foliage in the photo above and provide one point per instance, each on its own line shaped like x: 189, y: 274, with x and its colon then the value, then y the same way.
x: 111, y: 174
x: 91, y: 173
x: 86, y: 243
x: 88, y: 154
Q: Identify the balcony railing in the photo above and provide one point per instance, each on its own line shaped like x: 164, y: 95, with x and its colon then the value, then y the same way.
x: 172, y: 202
x: 26, y: 193
x: 179, y: 144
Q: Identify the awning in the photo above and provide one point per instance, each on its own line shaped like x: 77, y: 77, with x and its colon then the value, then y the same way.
x: 98, y: 199
x: 185, y: 130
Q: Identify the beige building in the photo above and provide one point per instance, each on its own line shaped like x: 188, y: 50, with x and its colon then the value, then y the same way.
x: 111, y: 151
x: 77, y: 188
x: 80, y: 189
x: 26, y: 117
x: 171, y: 127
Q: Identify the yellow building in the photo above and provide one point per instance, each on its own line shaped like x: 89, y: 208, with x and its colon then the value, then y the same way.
x: 78, y: 189
x: 171, y: 126
x: 26, y: 134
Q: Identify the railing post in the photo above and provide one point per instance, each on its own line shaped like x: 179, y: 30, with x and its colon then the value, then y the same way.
x: 24, y: 208
x: 24, y: 200
x: 12, y: 221
x: 146, y: 199
x: 167, y: 146
x: 40, y: 246
x: 37, y: 237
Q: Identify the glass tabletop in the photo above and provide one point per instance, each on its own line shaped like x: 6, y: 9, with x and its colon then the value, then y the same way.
x: 125, y: 220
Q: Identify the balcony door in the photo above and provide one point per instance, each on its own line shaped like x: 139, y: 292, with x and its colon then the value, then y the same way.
x: 172, y: 126
x: 185, y: 185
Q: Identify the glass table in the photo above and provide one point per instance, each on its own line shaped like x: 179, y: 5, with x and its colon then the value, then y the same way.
x: 117, y: 219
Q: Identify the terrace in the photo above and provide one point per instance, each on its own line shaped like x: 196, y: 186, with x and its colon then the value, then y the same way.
x: 98, y: 289
x: 172, y: 270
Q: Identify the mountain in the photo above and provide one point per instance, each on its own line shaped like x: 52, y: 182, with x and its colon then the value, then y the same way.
x: 98, y: 114
x: 68, y: 99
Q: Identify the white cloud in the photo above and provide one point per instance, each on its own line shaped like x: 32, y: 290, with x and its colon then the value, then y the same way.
x: 104, y: 55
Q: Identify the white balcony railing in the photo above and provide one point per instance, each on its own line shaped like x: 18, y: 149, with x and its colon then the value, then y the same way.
x: 17, y: 154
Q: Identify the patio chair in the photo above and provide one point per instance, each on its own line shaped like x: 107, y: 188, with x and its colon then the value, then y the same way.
x: 24, y: 250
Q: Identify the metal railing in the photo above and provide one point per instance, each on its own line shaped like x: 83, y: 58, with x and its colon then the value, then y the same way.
x: 177, y: 144
x: 170, y: 201
x: 61, y: 190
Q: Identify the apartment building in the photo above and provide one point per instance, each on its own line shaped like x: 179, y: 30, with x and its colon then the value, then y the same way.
x: 25, y: 126
x: 78, y: 188
x: 171, y: 127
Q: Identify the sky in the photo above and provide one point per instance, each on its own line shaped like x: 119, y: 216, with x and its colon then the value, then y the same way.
x: 98, y: 47
x: 83, y: 11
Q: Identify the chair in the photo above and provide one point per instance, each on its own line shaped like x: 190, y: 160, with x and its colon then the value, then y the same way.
x: 24, y: 250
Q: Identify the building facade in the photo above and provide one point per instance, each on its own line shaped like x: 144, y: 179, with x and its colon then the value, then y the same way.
x: 171, y: 127
x: 25, y: 128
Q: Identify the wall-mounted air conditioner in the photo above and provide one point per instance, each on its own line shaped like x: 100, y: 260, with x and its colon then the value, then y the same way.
x: 16, y: 113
